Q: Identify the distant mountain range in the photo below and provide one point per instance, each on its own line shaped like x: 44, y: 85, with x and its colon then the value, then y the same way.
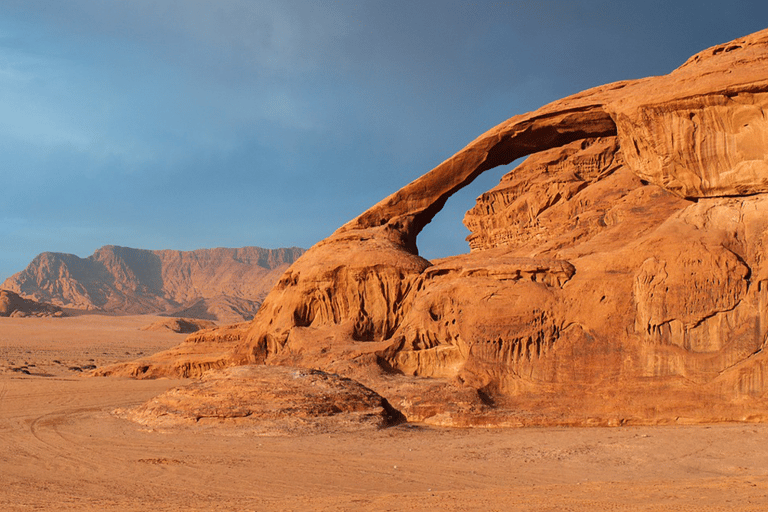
x: 225, y: 285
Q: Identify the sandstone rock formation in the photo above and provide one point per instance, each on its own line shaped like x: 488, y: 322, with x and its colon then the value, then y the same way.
x: 270, y: 400
x: 225, y: 285
x: 11, y: 304
x: 618, y: 275
x: 180, y: 325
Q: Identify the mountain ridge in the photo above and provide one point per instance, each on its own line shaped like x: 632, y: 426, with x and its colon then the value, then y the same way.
x: 124, y: 280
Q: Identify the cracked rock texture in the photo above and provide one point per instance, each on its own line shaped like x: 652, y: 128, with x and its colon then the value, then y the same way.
x: 616, y: 276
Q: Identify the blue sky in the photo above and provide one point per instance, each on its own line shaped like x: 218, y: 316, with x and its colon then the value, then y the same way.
x: 182, y: 124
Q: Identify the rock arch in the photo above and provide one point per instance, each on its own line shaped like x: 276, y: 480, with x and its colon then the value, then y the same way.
x: 657, y: 307
x: 410, y: 209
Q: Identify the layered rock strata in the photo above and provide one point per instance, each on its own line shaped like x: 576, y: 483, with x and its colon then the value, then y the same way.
x: 616, y: 276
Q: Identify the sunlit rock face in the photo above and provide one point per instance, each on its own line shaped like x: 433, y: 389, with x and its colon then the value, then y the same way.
x: 616, y: 276
x: 701, y: 147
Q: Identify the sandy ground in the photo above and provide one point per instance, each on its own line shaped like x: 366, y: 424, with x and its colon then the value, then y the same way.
x: 62, y: 449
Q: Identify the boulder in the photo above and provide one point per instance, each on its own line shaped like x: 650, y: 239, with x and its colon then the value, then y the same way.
x: 180, y: 325
x: 269, y: 400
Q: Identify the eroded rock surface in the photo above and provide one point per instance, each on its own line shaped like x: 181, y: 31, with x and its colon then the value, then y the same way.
x: 616, y: 276
x: 269, y: 400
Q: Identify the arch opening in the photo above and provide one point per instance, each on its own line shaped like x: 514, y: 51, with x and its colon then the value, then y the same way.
x: 406, y: 212
x: 445, y: 235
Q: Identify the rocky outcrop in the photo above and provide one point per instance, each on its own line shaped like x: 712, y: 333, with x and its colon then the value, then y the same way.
x: 180, y: 325
x: 203, y: 350
x: 616, y: 276
x: 226, y: 285
x: 269, y: 400
x: 11, y: 304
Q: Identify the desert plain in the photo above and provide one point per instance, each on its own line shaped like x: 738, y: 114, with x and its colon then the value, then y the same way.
x: 62, y: 447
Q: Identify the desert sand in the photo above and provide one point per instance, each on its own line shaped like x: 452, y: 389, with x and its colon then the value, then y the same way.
x: 62, y: 448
